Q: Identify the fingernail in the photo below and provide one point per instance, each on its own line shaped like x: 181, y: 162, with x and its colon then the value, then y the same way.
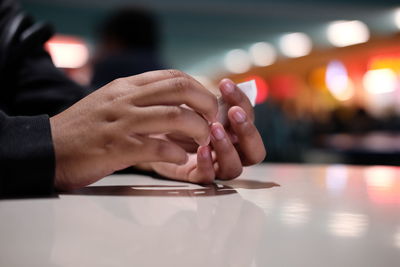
x: 228, y: 87
x: 239, y: 116
x: 217, y: 132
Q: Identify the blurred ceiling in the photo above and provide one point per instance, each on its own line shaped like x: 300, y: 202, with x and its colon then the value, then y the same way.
x: 194, y: 31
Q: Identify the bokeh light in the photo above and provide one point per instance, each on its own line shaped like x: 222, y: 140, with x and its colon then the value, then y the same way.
x: 338, y: 82
x: 284, y: 86
x: 262, y: 54
x: 380, y: 81
x: 397, y: 17
x: 67, y: 51
x: 345, y: 33
x: 296, y: 44
x: 237, y: 61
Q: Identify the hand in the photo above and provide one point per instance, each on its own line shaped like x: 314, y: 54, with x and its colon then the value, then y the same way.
x: 111, y: 128
x: 241, y: 145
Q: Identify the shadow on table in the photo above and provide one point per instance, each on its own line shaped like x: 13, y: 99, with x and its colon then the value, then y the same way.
x: 222, y: 188
x: 248, y: 184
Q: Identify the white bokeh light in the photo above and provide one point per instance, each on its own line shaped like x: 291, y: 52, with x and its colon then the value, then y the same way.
x: 380, y: 81
x: 397, y: 17
x: 338, y: 82
x: 344, y: 33
x: 237, y: 61
x: 296, y: 44
x: 262, y: 54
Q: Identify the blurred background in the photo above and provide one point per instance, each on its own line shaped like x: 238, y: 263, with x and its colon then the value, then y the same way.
x: 328, y: 72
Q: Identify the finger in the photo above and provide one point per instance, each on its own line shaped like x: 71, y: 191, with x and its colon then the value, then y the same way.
x: 233, y: 96
x: 250, y: 144
x: 170, y: 119
x: 178, y: 91
x: 155, y: 76
x: 183, y: 141
x: 204, y: 172
x: 152, y: 150
x: 229, y: 163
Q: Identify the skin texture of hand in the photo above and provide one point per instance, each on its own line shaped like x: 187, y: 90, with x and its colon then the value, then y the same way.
x: 231, y: 149
x: 113, y: 128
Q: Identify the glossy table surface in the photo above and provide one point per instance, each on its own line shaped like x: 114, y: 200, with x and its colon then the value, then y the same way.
x: 273, y: 215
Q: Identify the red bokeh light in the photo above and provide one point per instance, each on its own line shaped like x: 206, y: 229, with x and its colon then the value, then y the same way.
x: 284, y: 86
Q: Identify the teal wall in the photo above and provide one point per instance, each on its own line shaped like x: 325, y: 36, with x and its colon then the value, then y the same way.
x: 193, y: 31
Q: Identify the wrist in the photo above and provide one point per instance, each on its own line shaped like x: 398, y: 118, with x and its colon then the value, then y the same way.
x: 57, y: 144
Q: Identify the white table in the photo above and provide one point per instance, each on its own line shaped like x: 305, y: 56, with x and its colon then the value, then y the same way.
x: 318, y: 216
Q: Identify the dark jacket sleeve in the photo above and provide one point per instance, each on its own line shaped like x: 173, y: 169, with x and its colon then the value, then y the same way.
x: 31, y: 90
x: 31, y: 84
x: 26, y: 156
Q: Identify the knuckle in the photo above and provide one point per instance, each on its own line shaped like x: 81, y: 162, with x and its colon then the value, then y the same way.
x: 174, y: 114
x: 116, y: 87
x: 118, y: 82
x: 175, y: 73
x: 212, y: 104
x: 181, y: 84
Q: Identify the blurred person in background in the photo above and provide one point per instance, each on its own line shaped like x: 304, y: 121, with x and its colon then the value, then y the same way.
x: 128, y: 44
x: 53, y: 137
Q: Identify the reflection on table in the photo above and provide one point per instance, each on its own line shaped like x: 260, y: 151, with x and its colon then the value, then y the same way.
x: 273, y: 215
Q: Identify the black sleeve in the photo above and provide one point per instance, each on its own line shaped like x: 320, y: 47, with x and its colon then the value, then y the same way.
x: 32, y: 85
x: 42, y: 88
x: 26, y: 156
x: 31, y: 90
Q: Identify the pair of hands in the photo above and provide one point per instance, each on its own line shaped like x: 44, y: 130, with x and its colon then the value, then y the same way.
x: 140, y: 120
